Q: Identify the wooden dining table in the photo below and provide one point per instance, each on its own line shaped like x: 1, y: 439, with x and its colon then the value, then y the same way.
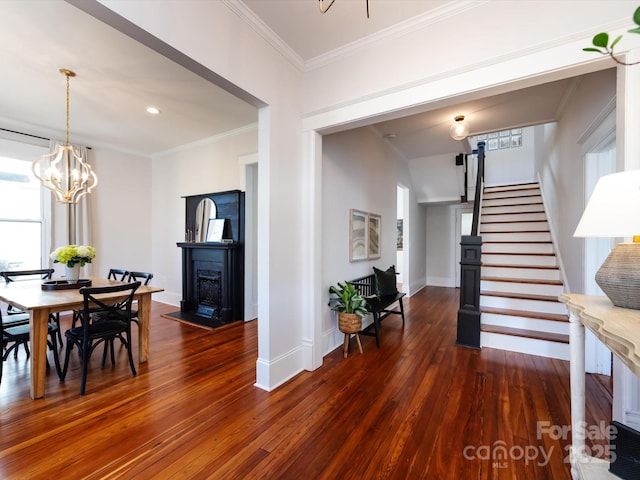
x: 30, y: 296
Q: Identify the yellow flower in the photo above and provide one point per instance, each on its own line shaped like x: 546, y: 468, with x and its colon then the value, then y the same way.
x: 72, y: 254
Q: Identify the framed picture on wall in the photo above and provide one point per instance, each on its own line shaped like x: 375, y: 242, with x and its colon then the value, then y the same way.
x: 373, y: 234
x: 358, y: 221
x: 399, y: 234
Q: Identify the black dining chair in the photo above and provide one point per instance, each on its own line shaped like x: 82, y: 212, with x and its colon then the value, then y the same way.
x: 18, y: 317
x: 134, y: 277
x: 102, y: 320
x: 15, y: 335
x: 118, y: 274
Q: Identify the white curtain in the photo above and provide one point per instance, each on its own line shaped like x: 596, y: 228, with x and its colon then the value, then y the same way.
x: 60, y: 213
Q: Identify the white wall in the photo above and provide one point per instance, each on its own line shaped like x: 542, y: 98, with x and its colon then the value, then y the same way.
x: 561, y: 167
x: 512, y: 165
x: 358, y: 171
x: 121, y: 204
x: 440, y: 180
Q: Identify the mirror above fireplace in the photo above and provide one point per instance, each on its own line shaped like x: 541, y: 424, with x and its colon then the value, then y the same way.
x: 205, y: 211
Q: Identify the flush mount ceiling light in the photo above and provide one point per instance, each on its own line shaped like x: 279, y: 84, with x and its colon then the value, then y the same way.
x: 153, y: 110
x: 459, y: 130
x: 64, y: 171
x: 325, y: 10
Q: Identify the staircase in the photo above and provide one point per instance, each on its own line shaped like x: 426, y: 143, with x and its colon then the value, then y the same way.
x: 521, y: 279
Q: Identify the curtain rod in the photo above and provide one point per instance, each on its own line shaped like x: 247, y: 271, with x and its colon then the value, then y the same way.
x: 29, y: 135
x: 25, y: 134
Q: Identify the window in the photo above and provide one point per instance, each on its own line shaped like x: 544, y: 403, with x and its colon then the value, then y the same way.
x: 21, y: 208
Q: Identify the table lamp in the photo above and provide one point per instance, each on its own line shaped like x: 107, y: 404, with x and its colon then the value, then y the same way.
x: 614, y: 211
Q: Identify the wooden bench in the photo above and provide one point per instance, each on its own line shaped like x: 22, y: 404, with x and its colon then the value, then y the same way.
x: 378, y: 306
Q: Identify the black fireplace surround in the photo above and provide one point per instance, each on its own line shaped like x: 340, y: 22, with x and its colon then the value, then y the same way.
x: 213, y: 272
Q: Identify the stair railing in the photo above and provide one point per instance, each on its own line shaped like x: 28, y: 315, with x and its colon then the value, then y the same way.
x: 468, y: 330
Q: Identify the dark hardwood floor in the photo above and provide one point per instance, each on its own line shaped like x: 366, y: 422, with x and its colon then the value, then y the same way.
x: 416, y: 408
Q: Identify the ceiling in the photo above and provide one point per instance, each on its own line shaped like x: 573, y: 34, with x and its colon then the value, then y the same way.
x: 117, y: 78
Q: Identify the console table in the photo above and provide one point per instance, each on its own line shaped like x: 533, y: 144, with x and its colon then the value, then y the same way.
x: 619, y: 330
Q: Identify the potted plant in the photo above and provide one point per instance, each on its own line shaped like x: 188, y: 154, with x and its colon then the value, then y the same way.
x: 351, y: 307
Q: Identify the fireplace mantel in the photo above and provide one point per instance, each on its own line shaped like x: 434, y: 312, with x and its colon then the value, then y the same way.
x: 213, y: 272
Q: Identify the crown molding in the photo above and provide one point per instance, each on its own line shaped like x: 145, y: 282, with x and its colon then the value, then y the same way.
x: 402, y: 28
x: 262, y: 29
x: 410, y: 25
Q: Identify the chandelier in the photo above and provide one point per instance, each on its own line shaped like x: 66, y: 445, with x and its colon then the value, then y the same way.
x: 325, y: 10
x: 64, y: 171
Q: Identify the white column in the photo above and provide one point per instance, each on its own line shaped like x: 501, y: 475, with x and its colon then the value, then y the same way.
x: 577, y: 372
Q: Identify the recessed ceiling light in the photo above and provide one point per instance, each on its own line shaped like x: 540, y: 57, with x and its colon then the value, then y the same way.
x: 153, y: 110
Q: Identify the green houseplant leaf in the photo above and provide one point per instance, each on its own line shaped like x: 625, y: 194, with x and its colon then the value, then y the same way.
x: 601, y: 41
x: 344, y: 297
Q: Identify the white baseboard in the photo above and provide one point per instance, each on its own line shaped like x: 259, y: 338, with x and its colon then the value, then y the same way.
x: 271, y: 374
x: 441, y: 282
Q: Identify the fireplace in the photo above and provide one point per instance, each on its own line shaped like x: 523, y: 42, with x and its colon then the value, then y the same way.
x: 209, y: 294
x: 213, y: 272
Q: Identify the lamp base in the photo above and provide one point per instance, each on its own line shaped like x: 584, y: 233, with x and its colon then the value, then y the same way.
x: 619, y: 276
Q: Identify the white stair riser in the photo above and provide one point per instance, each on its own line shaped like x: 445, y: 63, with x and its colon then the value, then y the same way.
x: 488, y: 248
x: 510, y: 272
x: 525, y: 323
x: 515, y: 259
x: 517, y: 237
x: 529, y: 346
x: 488, y: 202
x: 513, y: 217
x: 538, y: 306
x: 530, y: 288
x: 514, y: 227
x: 509, y: 188
x: 510, y: 208
x: 511, y: 193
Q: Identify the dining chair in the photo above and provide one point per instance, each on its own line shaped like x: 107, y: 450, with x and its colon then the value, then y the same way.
x: 138, y: 276
x: 117, y: 274
x: 16, y: 316
x: 102, y: 320
x: 15, y: 335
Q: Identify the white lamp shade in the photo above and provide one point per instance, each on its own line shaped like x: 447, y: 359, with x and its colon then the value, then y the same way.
x: 614, y: 207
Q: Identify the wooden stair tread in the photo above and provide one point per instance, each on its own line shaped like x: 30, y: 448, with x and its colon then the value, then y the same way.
x: 522, y: 296
x: 519, y: 332
x: 522, y: 280
x: 508, y: 204
x: 555, y: 317
x: 535, y: 267
x: 509, y: 185
x: 508, y: 197
x: 514, y: 213
x: 513, y: 221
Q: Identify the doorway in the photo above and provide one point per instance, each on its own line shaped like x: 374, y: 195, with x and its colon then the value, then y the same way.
x: 600, y: 160
x: 402, y: 239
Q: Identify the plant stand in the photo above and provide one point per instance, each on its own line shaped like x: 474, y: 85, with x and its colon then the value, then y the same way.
x: 350, y: 323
